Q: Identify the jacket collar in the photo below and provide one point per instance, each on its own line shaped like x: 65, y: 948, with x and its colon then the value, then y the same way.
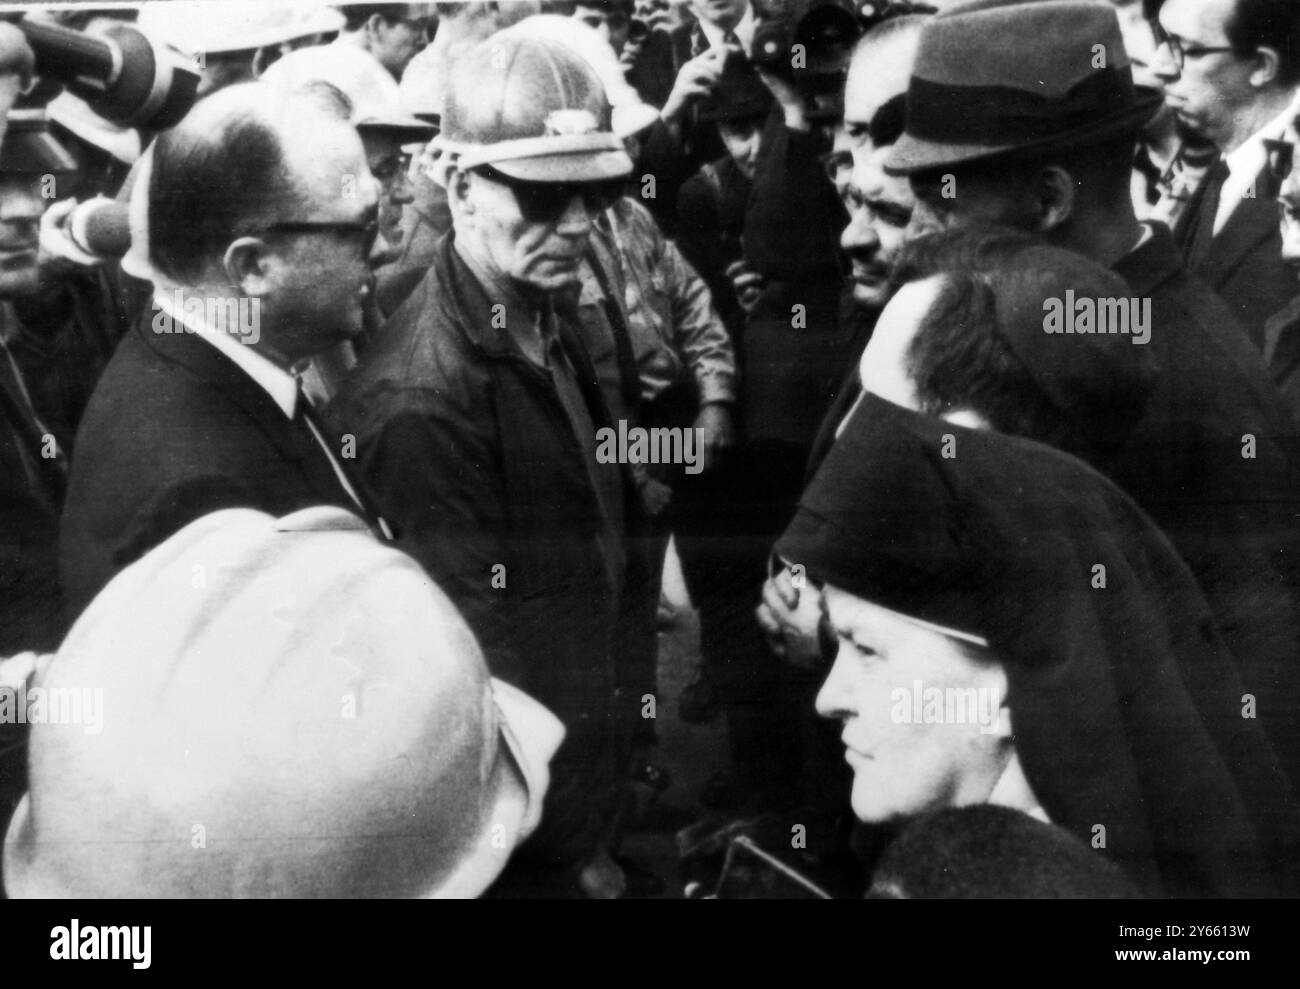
x: 1152, y: 263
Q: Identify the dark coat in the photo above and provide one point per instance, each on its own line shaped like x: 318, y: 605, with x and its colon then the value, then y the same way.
x: 470, y: 452
x: 176, y: 430
x: 1230, y: 516
x: 1243, y: 263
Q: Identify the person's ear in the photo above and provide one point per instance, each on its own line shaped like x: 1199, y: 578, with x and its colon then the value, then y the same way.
x: 1054, y: 198
x: 373, y: 24
x: 250, y: 265
x: 1267, y: 65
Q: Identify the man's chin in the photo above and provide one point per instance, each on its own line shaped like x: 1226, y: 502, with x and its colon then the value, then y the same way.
x: 20, y: 282
x: 870, y: 298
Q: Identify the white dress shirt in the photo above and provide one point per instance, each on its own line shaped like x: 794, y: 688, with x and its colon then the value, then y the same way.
x: 1245, y: 164
x: 744, y: 31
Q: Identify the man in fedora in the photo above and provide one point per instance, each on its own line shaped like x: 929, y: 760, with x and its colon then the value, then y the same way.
x: 1230, y: 70
x: 476, y: 416
x: 1044, y: 144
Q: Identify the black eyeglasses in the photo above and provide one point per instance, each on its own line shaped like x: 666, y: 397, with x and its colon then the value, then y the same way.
x: 833, y: 162
x: 1179, y: 51
x: 369, y: 230
x: 545, y: 202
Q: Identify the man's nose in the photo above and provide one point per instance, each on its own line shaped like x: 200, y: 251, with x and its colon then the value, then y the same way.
x: 1163, y: 64
x: 576, y: 220
x: 860, y: 235
x: 833, y: 700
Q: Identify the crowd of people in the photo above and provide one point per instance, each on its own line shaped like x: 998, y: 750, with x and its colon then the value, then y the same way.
x: 953, y: 349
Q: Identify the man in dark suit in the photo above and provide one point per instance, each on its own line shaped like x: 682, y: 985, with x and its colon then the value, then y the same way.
x: 1230, y: 70
x: 675, y: 71
x: 262, y: 233
x: 1211, y: 456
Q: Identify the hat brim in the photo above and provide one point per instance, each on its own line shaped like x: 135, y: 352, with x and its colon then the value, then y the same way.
x: 34, y: 152
x: 587, y: 166
x: 911, y: 154
x: 407, y: 130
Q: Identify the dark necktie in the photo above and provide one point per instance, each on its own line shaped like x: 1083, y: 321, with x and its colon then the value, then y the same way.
x: 1200, y: 231
x: 47, y: 476
x: 321, y: 464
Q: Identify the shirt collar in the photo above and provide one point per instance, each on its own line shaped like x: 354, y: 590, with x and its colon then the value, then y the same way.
x: 1251, y: 157
x: 280, y: 384
x: 744, y: 30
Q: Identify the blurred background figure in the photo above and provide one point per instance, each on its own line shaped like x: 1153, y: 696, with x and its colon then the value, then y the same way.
x: 390, y: 33
x: 1230, y: 70
x: 235, y: 42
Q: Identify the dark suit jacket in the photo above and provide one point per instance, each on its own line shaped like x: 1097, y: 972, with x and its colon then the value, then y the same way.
x: 1244, y: 262
x: 176, y: 430
x: 1282, y: 353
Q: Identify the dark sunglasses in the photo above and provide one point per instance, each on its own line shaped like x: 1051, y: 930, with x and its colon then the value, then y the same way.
x: 369, y: 230
x: 545, y: 202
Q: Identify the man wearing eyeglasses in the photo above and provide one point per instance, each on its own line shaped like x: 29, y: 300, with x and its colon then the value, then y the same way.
x: 476, y: 416
x: 392, y: 33
x: 1230, y: 70
x: 262, y: 233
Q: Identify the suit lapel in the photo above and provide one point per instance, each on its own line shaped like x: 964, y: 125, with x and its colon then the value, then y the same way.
x: 213, y: 367
x: 1251, y: 223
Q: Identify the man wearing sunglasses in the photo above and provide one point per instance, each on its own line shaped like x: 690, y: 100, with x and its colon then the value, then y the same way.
x: 262, y: 239
x: 1230, y: 70
x: 476, y: 415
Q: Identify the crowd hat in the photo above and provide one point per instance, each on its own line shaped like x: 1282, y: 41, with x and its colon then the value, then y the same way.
x: 994, y: 77
x: 533, y: 110
x: 289, y: 708
x: 29, y: 147
x: 219, y: 26
x: 739, y: 93
x: 1125, y: 704
x: 629, y: 113
x: 376, y: 104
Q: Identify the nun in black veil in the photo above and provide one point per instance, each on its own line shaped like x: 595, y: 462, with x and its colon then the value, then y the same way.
x: 968, y: 572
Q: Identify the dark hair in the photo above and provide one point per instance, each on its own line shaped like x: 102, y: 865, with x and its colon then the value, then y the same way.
x: 356, y: 15
x: 963, y: 355
x: 1268, y: 24
x: 206, y: 189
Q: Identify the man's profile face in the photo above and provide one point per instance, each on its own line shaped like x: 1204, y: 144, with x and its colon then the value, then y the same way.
x: 395, y: 43
x: 390, y: 166
x: 1288, y: 199
x: 880, y: 210
x: 20, y: 215
x: 612, y: 25
x: 742, y: 139
x: 903, y: 765
x: 1211, y: 87
x: 539, y: 252
x: 726, y: 14
x: 326, y: 276
x: 963, y: 198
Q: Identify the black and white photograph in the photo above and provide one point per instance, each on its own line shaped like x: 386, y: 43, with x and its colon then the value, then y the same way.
x: 652, y: 450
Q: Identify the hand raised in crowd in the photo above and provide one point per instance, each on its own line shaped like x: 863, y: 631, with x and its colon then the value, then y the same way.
x: 696, y: 79
x: 59, y: 251
x: 790, y: 618
x: 601, y: 878
x: 747, y: 284
x: 719, y: 434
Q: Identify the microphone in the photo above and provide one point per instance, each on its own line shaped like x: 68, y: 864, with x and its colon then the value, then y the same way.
x: 101, y: 227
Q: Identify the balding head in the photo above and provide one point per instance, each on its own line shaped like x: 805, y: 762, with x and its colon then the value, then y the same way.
x: 880, y: 70
x: 227, y: 167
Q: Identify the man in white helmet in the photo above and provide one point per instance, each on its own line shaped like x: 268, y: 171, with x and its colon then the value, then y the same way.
x: 476, y: 416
